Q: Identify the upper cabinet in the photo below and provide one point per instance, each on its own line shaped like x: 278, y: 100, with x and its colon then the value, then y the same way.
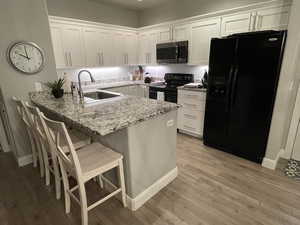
x: 238, y: 23
x: 98, y: 44
x: 276, y: 18
x: 181, y: 32
x: 67, y: 45
x: 147, y: 47
x: 59, y: 53
x: 80, y: 44
x: 201, y: 35
x: 164, y: 34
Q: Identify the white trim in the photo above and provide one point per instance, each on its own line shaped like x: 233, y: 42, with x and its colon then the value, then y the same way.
x: 137, y: 202
x: 70, y: 21
x: 270, y: 163
x: 142, y: 198
x: 293, y: 128
x: 25, y: 160
x: 220, y: 13
x: 190, y: 133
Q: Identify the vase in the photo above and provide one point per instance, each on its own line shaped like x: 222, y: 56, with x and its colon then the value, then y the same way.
x: 58, y: 93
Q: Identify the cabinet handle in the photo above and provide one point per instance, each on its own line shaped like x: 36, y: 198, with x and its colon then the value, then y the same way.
x: 102, y: 59
x: 191, y: 105
x: 150, y: 58
x: 66, y: 59
x: 70, y: 57
x: 99, y: 61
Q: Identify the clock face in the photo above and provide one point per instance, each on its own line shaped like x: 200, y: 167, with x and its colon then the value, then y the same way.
x: 26, y: 57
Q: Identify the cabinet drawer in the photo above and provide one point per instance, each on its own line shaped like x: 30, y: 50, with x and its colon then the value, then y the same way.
x: 193, y: 106
x: 191, y: 120
x: 191, y: 98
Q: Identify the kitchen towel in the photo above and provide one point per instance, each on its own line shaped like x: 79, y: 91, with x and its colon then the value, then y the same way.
x: 160, y: 96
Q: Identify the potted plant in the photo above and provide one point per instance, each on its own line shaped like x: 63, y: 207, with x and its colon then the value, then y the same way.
x: 56, y: 87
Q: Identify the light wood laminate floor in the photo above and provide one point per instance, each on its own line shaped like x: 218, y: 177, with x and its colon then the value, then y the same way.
x: 212, y: 188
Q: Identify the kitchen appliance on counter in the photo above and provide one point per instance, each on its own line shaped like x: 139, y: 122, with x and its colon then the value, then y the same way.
x: 243, y: 76
x: 172, y: 53
x: 169, y: 88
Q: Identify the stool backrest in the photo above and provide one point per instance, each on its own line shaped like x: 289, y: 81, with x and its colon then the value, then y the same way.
x: 58, y: 133
x: 35, y: 114
x: 21, y: 110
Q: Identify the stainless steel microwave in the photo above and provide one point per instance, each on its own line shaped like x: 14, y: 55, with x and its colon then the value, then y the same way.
x: 172, y: 53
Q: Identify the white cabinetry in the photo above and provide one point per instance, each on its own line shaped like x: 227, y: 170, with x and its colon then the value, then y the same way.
x: 201, y: 35
x: 67, y: 45
x: 276, y: 18
x: 181, y: 32
x: 191, y: 115
x: 59, y: 53
x: 130, y: 49
x: 238, y: 23
x: 98, y: 44
x: 147, y: 47
x: 72, y: 45
x: 164, y: 35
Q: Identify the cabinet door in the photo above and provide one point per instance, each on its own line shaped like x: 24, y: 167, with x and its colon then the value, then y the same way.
x: 91, y: 46
x: 201, y: 35
x: 59, y: 54
x: 143, y: 49
x: 181, y: 33
x: 131, y: 49
x: 106, y: 44
x: 72, y: 43
x: 273, y: 18
x: 164, y: 35
x: 236, y: 24
x: 152, y: 39
x: 119, y: 48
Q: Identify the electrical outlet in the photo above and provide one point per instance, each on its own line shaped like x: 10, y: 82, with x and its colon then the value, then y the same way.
x: 38, y: 86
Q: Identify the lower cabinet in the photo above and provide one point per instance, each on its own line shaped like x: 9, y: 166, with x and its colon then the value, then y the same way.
x: 191, y: 114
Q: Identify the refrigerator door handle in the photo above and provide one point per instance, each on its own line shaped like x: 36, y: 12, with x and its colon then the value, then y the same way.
x: 233, y: 88
x: 229, y: 89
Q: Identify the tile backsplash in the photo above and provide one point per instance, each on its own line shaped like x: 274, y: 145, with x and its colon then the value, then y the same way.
x: 115, y: 74
x: 158, y: 72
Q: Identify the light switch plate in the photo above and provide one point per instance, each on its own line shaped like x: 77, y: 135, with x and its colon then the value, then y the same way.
x: 170, y: 123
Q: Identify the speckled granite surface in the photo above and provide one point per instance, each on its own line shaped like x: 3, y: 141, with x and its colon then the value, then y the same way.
x: 104, y: 117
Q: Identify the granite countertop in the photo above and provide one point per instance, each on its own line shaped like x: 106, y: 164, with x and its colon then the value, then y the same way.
x: 104, y: 117
x: 192, y: 89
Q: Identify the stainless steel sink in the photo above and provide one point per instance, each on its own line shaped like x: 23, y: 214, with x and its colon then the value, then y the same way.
x: 99, y: 95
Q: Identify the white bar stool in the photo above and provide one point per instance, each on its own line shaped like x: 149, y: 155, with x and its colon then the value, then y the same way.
x: 85, y: 164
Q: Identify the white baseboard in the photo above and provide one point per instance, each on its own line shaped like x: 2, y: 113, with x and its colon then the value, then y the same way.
x: 25, y: 160
x: 142, y: 198
x: 272, y: 163
x: 137, y: 202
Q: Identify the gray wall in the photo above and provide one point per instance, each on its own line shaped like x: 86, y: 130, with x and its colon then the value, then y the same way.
x: 93, y: 11
x: 23, y: 20
x: 285, y: 95
x: 179, y: 9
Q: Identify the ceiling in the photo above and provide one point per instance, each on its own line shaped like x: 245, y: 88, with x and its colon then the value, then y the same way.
x: 134, y: 4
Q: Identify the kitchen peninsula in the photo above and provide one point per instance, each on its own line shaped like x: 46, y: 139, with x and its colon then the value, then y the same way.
x: 142, y: 130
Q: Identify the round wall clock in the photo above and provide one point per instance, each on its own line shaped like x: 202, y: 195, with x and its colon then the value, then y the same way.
x: 26, y: 57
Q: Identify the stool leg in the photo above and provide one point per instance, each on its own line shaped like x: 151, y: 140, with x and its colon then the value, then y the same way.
x: 122, y: 182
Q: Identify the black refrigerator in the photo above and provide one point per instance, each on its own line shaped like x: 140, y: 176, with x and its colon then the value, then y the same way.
x: 244, y: 71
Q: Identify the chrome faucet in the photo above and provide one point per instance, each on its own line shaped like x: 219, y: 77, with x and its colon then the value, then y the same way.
x: 80, y: 92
